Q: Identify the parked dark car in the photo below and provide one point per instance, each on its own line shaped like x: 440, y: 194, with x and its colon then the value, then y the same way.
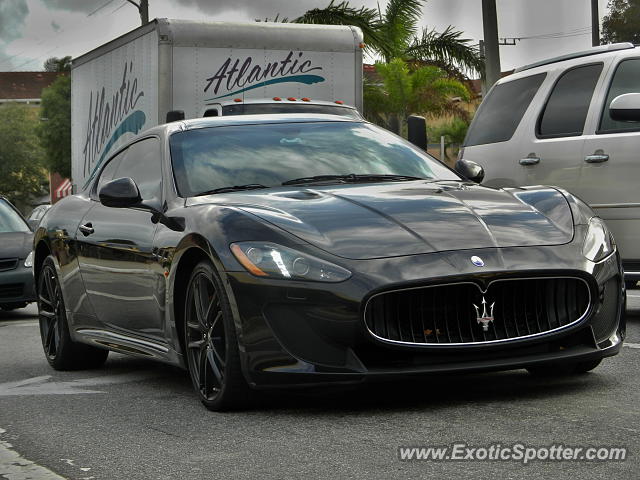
x: 270, y: 251
x: 16, y: 267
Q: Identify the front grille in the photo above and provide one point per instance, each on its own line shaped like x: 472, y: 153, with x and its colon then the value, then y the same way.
x: 11, y: 290
x: 8, y: 264
x: 449, y: 314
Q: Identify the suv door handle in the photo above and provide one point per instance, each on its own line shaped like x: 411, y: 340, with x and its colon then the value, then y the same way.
x: 596, y: 158
x: 530, y: 161
x: 86, y: 229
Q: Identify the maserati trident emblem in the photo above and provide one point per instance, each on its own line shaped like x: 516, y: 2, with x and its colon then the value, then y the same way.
x: 477, y: 261
x: 486, y: 318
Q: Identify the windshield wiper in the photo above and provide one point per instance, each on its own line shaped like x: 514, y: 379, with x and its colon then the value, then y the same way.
x: 351, y: 178
x: 235, y: 188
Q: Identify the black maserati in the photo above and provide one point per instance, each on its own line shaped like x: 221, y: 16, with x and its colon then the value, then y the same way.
x: 300, y: 250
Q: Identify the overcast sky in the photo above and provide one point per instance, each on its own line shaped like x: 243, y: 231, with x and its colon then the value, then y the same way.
x: 33, y: 30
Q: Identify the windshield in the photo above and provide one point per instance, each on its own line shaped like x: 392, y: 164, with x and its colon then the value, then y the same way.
x: 10, y: 221
x: 270, y: 154
x: 269, y: 108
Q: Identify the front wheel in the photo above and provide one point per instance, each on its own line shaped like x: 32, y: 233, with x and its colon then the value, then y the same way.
x: 62, y: 353
x: 211, y: 344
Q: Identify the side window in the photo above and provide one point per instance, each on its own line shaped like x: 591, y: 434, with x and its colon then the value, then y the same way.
x: 566, y: 110
x: 625, y: 80
x: 109, y: 170
x: 501, y: 111
x: 143, y: 164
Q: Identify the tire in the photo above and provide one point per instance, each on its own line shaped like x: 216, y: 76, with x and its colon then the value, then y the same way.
x: 61, y: 352
x: 564, y: 369
x: 211, y: 344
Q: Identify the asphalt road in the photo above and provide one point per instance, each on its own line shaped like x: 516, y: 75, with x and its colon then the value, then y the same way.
x: 136, y: 419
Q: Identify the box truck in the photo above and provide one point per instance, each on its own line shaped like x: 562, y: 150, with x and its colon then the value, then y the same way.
x: 132, y: 82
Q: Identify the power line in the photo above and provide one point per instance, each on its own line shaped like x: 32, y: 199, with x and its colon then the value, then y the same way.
x: 100, y: 7
x: 58, y: 32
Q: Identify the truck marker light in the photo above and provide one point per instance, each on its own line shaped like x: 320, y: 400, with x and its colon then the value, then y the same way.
x: 237, y: 99
x: 339, y: 102
x: 292, y: 99
x: 305, y: 99
x: 277, y: 99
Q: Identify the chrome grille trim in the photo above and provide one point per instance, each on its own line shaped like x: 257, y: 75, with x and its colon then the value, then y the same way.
x: 584, y: 315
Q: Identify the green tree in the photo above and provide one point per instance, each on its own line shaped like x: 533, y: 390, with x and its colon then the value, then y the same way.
x: 395, y: 34
x: 453, y: 131
x: 623, y: 22
x: 21, y: 170
x: 55, y: 129
x: 424, y: 90
x: 55, y: 64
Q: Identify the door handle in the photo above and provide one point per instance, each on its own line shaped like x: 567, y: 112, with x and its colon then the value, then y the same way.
x: 530, y: 160
x: 86, y: 229
x: 596, y: 158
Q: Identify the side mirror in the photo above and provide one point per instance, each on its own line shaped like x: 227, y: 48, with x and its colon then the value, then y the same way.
x: 417, y: 131
x: 120, y: 193
x: 625, y: 108
x: 470, y: 170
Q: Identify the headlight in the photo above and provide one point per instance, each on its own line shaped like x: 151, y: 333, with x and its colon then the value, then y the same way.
x: 275, y: 261
x: 598, y: 243
x: 28, y: 262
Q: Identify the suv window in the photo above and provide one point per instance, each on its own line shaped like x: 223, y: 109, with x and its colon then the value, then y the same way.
x: 566, y: 109
x: 142, y: 164
x: 502, y: 109
x: 625, y: 80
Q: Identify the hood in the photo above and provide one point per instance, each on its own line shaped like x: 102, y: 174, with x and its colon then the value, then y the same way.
x: 15, y: 244
x: 366, y: 221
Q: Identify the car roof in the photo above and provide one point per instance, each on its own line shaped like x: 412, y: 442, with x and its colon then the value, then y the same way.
x: 262, y: 119
x: 615, y: 47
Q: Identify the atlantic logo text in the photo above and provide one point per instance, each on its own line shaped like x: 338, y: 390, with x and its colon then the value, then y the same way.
x: 242, y: 74
x: 107, y: 114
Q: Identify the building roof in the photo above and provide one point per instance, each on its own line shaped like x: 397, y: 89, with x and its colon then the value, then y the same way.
x: 16, y: 86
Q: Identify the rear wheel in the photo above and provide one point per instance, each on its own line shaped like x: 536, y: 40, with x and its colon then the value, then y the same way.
x: 564, y: 369
x: 211, y: 344
x: 61, y: 352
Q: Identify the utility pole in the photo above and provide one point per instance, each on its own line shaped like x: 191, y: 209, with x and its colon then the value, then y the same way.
x: 595, y: 24
x: 143, y: 9
x: 490, y: 45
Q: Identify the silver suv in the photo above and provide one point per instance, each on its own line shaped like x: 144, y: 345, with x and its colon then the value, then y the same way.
x: 574, y: 122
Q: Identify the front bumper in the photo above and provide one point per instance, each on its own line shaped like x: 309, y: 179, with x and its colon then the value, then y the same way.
x: 17, y: 285
x: 297, y: 333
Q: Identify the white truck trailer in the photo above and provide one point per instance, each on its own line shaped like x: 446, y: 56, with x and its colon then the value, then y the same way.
x: 131, y: 83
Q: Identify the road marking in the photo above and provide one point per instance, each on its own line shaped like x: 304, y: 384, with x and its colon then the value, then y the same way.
x: 632, y: 345
x: 15, y: 467
x: 44, y: 386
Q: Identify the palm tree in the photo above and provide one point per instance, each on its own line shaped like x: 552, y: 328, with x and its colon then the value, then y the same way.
x: 405, y: 91
x: 395, y: 34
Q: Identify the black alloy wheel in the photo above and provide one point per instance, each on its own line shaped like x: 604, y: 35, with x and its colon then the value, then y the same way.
x: 211, y: 344
x: 61, y: 352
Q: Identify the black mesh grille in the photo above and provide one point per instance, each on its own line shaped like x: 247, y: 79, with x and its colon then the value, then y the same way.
x: 447, y: 313
x: 8, y: 264
x: 11, y: 290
